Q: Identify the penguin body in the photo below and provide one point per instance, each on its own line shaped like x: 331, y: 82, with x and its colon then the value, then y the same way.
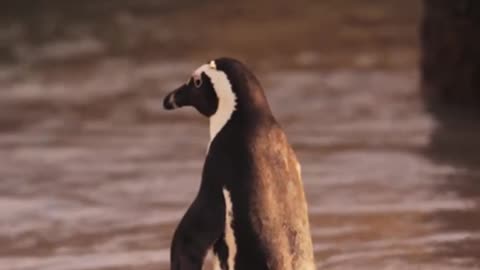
x: 251, y: 209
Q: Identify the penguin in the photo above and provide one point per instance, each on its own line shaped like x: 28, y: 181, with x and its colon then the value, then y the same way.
x: 250, y: 209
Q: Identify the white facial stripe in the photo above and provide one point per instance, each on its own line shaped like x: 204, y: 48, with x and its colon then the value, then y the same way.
x: 199, y: 70
x: 229, y: 234
x: 226, y: 97
x: 226, y: 101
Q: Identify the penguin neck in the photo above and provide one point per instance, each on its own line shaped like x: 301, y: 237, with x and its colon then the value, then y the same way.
x: 237, y: 120
x: 241, y: 107
x: 227, y: 106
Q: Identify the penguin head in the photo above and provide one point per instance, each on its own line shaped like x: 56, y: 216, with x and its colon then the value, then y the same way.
x: 198, y: 91
x: 220, y: 89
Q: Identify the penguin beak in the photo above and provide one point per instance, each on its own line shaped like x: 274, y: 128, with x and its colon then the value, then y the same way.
x: 177, y: 98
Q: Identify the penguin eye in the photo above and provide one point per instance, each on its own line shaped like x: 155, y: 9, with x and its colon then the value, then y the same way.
x: 197, y: 82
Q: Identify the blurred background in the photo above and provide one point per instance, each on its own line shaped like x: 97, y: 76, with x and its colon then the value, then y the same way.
x: 378, y: 98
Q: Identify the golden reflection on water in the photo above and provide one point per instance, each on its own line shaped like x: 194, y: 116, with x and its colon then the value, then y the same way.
x: 105, y: 191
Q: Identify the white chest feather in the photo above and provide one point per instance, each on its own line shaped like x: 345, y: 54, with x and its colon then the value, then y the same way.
x: 229, y: 233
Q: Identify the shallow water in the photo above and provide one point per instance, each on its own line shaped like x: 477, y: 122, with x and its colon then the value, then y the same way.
x: 95, y: 175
